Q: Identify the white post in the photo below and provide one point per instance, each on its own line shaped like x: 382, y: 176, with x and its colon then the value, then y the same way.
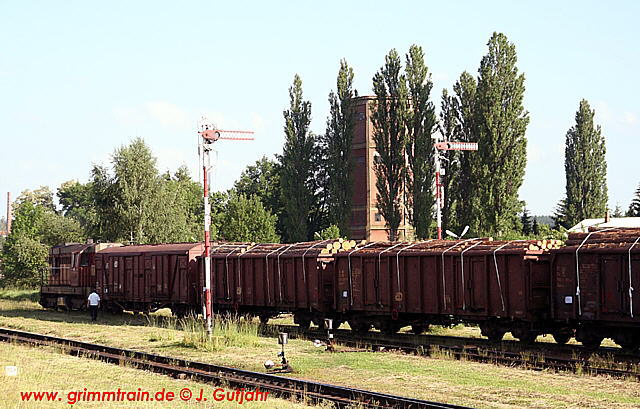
x: 205, y: 149
x: 438, y: 188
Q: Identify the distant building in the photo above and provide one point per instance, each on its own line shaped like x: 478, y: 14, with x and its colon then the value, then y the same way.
x: 602, y: 223
x: 366, y: 221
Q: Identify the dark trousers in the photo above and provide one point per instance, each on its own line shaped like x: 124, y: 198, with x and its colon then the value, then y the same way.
x: 94, y: 312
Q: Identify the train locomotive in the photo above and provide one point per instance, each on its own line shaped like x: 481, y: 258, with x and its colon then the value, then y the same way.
x: 584, y: 288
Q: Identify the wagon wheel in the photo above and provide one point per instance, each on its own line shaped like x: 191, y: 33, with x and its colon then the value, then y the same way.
x: 496, y: 335
x: 264, y: 319
x: 562, y: 337
x: 628, y: 346
x: 526, y: 337
x: 419, y: 328
x: 303, y: 323
x: 592, y: 341
x: 628, y: 342
x: 359, y: 326
x: 390, y: 327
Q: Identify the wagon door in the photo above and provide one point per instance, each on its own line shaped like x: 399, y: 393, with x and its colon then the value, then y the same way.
x: 478, y: 285
x: 288, y: 281
x: 612, y: 283
x: 370, y: 280
x: 149, y: 267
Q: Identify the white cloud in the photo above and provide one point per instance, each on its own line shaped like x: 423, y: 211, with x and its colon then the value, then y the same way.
x: 630, y: 118
x: 167, y: 114
x: 127, y: 115
x: 605, y: 115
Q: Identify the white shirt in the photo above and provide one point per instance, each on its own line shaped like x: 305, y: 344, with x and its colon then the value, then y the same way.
x: 94, y: 299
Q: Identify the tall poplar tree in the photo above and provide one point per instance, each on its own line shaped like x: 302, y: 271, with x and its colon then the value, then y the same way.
x: 501, y: 121
x: 297, y: 166
x: 585, y: 168
x: 420, y: 122
x: 336, y: 146
x: 458, y: 124
x: 388, y: 116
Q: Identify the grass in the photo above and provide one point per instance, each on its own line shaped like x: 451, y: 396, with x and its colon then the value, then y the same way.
x: 227, y: 331
x: 438, y: 378
x: 47, y: 370
x: 20, y: 294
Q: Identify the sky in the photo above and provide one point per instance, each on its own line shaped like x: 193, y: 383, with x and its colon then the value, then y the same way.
x: 80, y: 78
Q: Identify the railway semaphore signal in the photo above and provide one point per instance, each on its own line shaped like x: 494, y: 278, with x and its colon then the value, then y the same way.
x: 207, y: 135
x: 439, y: 146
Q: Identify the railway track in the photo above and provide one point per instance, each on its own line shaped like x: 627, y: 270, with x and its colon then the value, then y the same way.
x: 537, y: 356
x: 277, y: 385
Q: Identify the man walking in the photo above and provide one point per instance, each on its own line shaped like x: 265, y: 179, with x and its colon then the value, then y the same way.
x: 93, y: 301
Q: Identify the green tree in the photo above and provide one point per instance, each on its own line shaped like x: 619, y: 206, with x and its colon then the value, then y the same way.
x: 77, y: 202
x: 389, y: 134
x: 136, y: 183
x: 420, y: 122
x: 634, y: 207
x: 137, y: 203
x: 27, y: 219
x: 336, y: 146
x: 585, y: 168
x: 457, y: 124
x: 107, y: 225
x: 535, y: 228
x: 298, y: 169
x: 526, y: 222
x: 331, y: 232
x: 56, y: 229
x: 178, y: 214
x: 43, y: 196
x: 261, y: 179
x: 24, y: 260
x: 501, y: 122
x: 42, y: 224
x: 617, y: 212
x: 246, y: 219
x: 560, y: 215
x: 24, y: 257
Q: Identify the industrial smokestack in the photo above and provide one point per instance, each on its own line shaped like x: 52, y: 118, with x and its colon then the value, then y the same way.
x: 9, y: 213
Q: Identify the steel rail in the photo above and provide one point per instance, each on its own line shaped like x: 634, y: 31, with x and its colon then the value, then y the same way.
x: 280, y: 386
x: 538, y: 356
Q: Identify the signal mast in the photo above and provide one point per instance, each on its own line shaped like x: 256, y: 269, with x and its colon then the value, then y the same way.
x: 208, y: 134
x: 442, y: 145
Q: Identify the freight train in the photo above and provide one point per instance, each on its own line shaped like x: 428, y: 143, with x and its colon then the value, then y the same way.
x: 584, y: 288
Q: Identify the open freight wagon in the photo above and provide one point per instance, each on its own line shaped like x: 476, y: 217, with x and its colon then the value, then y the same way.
x: 594, y: 281
x: 265, y: 280
x: 502, y: 286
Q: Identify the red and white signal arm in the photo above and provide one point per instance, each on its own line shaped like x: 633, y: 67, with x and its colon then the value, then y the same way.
x: 457, y: 146
x: 216, y: 134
